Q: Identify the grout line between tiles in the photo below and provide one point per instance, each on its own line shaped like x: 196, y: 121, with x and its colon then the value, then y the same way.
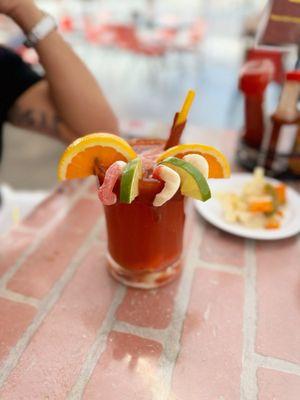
x: 40, y: 237
x: 19, y: 298
x: 159, y: 335
x: 277, y: 364
x: 98, y: 347
x: 231, y: 269
x: 248, y: 389
x: 172, y: 335
x: 47, y: 304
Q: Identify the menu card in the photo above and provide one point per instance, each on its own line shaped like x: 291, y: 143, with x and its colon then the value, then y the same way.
x: 280, y: 24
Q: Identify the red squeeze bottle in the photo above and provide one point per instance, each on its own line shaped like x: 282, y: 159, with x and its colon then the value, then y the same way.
x: 254, y: 77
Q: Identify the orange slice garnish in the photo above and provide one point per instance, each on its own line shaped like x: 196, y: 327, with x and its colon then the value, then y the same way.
x: 218, y: 164
x: 78, y: 160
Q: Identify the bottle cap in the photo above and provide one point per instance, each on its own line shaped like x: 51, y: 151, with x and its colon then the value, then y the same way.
x: 255, y: 76
x: 293, y: 75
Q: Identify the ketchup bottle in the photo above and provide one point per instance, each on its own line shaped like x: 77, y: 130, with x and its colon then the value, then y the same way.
x: 254, y: 78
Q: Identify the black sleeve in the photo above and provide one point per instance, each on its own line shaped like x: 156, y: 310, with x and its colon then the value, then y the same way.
x: 15, y: 78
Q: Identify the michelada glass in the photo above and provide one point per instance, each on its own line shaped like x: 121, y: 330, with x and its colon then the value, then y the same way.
x: 143, y: 186
x: 145, y: 242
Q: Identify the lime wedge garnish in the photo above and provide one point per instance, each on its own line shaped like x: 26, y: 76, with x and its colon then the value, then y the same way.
x: 193, y: 183
x: 131, y: 175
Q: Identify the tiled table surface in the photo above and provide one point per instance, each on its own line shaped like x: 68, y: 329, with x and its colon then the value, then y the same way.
x: 228, y: 329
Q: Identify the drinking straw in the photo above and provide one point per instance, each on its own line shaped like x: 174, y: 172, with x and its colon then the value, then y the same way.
x: 179, y: 121
x: 182, y: 116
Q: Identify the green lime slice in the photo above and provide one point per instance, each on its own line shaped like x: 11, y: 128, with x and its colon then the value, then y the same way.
x: 131, y: 175
x: 193, y: 183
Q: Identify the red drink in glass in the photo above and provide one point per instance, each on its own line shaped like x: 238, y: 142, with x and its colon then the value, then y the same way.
x: 145, y: 242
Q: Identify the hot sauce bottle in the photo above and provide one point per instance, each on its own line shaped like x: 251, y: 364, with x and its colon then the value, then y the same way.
x: 285, y: 125
x: 294, y: 162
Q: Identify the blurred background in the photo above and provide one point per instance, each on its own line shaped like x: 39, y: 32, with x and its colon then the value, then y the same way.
x: 196, y: 44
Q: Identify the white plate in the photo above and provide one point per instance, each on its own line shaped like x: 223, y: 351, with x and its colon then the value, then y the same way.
x: 213, y: 213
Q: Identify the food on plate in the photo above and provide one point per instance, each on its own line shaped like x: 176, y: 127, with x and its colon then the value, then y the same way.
x: 260, y: 205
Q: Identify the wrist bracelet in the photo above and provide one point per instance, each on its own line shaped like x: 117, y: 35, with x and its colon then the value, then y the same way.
x: 42, y: 29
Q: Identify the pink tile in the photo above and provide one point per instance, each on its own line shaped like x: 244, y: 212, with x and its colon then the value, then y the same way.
x: 49, y: 366
x: 221, y: 247
x: 58, y: 200
x: 278, y: 278
x: 70, y: 187
x: 41, y: 270
x: 14, y: 320
x: 12, y: 247
x: 148, y: 308
x: 45, y: 212
x: 126, y: 370
x: 209, y: 363
x: 275, y: 385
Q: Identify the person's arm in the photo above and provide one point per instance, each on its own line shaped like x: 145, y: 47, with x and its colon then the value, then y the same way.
x: 34, y: 110
x: 70, y: 93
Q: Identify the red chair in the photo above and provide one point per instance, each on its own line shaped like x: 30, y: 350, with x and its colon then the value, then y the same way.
x: 191, y: 38
x: 197, y: 32
x: 124, y: 37
x: 166, y: 36
x: 127, y: 39
x: 103, y: 34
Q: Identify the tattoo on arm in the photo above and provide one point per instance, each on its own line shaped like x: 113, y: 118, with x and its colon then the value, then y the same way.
x: 37, y: 120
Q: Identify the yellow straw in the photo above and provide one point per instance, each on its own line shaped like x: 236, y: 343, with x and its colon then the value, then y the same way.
x: 182, y: 116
